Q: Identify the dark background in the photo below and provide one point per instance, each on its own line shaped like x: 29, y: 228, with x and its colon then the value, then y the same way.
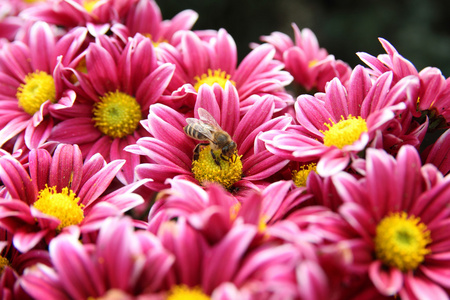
x: 417, y: 29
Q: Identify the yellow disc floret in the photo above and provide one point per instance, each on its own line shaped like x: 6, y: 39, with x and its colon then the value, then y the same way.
x: 345, y: 132
x: 117, y: 114
x: 38, y: 88
x: 64, y: 206
x: 183, y: 292
x: 4, y: 262
x: 216, y: 76
x: 205, y: 169
x: 401, y: 241
x: 299, y: 176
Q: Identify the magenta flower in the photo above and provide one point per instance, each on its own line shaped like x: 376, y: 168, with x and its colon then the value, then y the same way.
x: 170, y: 151
x: 341, y: 122
x: 112, y: 98
x: 72, y: 13
x: 311, y: 66
x: 121, y: 262
x: 399, y: 213
x: 29, y: 95
x: 214, y: 60
x: 53, y: 193
x: 144, y: 17
x: 434, y: 96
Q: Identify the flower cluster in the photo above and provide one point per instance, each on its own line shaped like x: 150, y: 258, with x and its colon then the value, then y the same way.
x: 139, y: 159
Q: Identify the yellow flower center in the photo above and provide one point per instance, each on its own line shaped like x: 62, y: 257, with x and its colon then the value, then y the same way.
x: 63, y: 206
x: 205, y: 169
x: 344, y: 132
x: 299, y: 176
x: 183, y: 292
x: 216, y: 76
x: 312, y: 63
x: 117, y: 114
x: 38, y: 88
x: 89, y: 5
x: 4, y: 262
x: 401, y: 241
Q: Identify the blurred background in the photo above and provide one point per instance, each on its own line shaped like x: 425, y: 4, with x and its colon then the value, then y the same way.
x: 419, y: 30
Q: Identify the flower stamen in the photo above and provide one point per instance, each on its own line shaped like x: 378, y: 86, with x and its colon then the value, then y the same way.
x: 117, y: 114
x: 183, y: 292
x: 345, y: 132
x: 38, y: 88
x: 64, y: 206
x: 205, y: 169
x: 301, y: 175
x: 216, y: 76
x: 401, y: 241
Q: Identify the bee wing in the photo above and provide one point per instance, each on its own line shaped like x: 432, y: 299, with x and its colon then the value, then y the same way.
x: 206, y: 117
x: 204, y: 128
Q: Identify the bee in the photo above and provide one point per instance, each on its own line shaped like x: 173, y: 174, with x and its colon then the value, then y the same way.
x: 207, y: 129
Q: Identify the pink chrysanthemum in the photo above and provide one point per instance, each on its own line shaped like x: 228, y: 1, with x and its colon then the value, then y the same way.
x: 170, y: 151
x: 12, y: 265
x: 30, y: 95
x: 434, y: 94
x: 400, y: 215
x: 338, y: 124
x: 112, y: 98
x: 121, y: 264
x: 214, y: 60
x: 56, y: 192
x: 311, y: 66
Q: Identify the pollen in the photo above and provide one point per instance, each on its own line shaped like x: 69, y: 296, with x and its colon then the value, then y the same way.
x: 64, y: 206
x: 4, y: 262
x: 299, y: 176
x: 401, y: 241
x: 216, y: 76
x: 312, y: 63
x: 37, y: 88
x: 205, y: 169
x: 183, y: 292
x: 89, y: 5
x: 117, y: 114
x: 345, y: 132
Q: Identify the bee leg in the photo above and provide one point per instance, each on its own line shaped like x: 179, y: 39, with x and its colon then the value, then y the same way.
x: 197, y: 150
x: 216, y: 160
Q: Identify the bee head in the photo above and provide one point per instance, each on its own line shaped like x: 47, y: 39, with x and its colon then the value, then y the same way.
x: 229, y: 149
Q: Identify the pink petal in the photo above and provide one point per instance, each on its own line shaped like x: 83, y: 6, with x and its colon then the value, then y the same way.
x: 73, y: 262
x: 262, y: 165
x: 42, y: 47
x: 102, y: 69
x: 25, y: 241
x: 422, y: 288
x: 388, y: 282
x: 66, y: 168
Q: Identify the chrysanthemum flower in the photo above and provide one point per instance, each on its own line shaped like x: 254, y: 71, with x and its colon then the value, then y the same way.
x: 29, y: 93
x: 56, y: 192
x: 12, y: 265
x: 434, y: 96
x: 170, y: 150
x: 122, y: 262
x: 72, y: 13
x: 311, y: 66
x: 144, y: 17
x: 341, y: 122
x: 112, y: 98
x: 214, y: 60
x: 400, y: 214
x: 213, y: 211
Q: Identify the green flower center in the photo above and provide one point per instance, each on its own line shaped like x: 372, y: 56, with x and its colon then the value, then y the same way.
x: 401, y: 241
x: 344, y: 132
x: 117, y: 114
x: 38, y: 88
x: 205, y: 169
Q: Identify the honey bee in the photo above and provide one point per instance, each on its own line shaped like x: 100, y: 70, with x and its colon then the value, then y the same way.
x: 207, y: 129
